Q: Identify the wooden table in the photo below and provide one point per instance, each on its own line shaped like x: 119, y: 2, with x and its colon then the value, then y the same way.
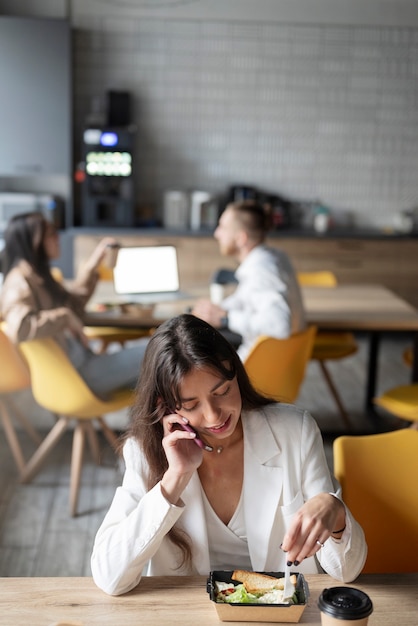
x: 177, y: 600
x: 370, y: 309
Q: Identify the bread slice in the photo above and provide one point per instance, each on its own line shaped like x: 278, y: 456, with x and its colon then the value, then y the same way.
x: 259, y: 583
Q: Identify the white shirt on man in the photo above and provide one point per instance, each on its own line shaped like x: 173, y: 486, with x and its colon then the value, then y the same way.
x: 267, y: 300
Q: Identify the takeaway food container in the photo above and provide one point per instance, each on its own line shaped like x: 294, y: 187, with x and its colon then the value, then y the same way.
x: 258, y: 612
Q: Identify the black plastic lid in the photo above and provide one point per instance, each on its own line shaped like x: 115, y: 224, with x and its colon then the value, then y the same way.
x: 345, y: 603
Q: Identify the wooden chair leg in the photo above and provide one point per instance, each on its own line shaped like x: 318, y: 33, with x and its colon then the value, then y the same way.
x: 109, y: 434
x: 34, y: 464
x: 12, y: 439
x: 93, y: 441
x: 104, y: 345
x: 33, y: 434
x: 335, y: 394
x: 76, y: 464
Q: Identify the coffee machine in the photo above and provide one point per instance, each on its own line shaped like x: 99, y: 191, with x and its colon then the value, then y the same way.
x: 107, y: 188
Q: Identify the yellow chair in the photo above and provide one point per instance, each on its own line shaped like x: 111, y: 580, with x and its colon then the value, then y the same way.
x: 378, y: 474
x: 276, y: 367
x: 58, y: 387
x: 106, y: 334
x: 112, y: 334
x: 401, y: 401
x: 321, y: 278
x: 14, y: 377
x: 330, y: 345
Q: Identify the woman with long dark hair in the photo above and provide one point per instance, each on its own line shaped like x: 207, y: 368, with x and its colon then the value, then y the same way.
x: 34, y: 304
x: 245, y: 486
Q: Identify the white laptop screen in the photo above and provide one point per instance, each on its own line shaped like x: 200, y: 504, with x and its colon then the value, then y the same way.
x: 146, y: 270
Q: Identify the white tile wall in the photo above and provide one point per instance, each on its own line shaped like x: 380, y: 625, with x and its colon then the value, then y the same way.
x: 311, y: 111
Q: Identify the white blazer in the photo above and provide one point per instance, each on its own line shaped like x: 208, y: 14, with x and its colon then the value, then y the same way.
x: 284, y: 465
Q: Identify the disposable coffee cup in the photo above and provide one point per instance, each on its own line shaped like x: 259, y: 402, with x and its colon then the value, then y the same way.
x: 111, y: 255
x: 217, y: 293
x: 344, y: 606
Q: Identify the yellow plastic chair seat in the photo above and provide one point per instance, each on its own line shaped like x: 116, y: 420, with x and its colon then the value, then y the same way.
x: 378, y: 474
x: 14, y: 372
x: 401, y: 401
x: 14, y: 376
x: 276, y: 367
x: 333, y: 345
x: 322, y: 278
x: 112, y: 331
x: 329, y: 345
x: 112, y: 334
x: 58, y: 387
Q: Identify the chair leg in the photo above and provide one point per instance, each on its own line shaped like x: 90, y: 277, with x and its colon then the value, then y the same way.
x: 12, y: 439
x: 335, y: 394
x: 76, y: 464
x: 33, y: 434
x: 93, y: 442
x: 103, y: 347
x: 34, y: 464
x: 109, y: 434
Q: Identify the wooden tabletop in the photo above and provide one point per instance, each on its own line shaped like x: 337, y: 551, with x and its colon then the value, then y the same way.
x: 176, y: 600
x: 345, y: 307
x: 359, y: 307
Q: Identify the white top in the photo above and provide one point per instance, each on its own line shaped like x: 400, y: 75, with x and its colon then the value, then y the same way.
x: 267, y: 300
x: 227, y: 544
x: 284, y: 465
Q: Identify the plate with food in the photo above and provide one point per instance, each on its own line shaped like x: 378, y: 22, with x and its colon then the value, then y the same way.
x: 244, y: 596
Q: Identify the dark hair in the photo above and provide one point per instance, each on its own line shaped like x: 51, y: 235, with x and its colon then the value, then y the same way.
x: 24, y: 241
x: 253, y: 217
x: 179, y: 346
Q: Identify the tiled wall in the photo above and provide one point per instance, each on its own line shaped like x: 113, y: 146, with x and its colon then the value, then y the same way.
x: 310, y: 111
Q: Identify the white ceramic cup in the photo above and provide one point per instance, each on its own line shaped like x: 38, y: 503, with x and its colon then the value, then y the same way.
x: 217, y: 293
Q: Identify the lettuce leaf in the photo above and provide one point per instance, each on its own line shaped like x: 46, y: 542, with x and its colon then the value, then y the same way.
x: 240, y: 595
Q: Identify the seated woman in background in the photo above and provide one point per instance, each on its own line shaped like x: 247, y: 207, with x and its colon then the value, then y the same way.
x: 257, y: 494
x: 33, y: 304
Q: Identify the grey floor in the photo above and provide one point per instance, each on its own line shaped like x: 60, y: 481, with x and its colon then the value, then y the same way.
x: 39, y: 538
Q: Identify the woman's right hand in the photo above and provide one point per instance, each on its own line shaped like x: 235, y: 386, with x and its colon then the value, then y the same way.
x: 183, y: 457
x: 99, y: 253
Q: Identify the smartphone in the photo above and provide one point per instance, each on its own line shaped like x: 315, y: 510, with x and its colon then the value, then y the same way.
x: 197, y: 440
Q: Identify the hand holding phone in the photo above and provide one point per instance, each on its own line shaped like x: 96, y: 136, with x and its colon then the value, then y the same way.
x: 197, y: 439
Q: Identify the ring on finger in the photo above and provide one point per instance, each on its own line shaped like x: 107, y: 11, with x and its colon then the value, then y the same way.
x: 320, y: 543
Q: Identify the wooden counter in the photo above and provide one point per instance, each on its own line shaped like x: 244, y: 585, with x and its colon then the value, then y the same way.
x: 388, y: 261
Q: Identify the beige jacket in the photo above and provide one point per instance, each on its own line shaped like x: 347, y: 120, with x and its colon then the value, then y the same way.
x: 29, y: 309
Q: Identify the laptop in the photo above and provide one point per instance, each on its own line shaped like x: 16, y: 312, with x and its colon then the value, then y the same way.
x: 147, y: 274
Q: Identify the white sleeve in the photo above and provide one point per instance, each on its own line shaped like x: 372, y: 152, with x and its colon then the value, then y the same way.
x: 342, y: 559
x: 133, y: 529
